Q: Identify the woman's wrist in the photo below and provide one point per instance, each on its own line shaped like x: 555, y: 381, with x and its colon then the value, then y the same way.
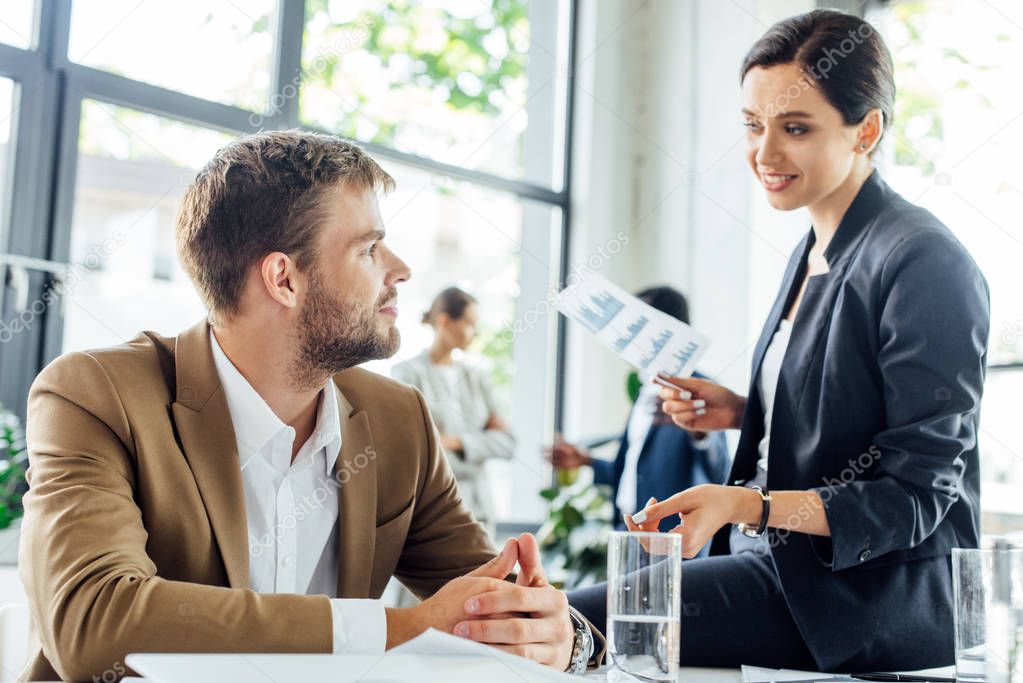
x: 747, y: 507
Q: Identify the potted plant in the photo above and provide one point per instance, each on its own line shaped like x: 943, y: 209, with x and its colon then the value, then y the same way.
x: 13, y: 463
x: 573, y: 538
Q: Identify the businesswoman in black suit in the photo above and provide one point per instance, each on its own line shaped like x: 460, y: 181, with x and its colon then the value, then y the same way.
x: 860, y: 423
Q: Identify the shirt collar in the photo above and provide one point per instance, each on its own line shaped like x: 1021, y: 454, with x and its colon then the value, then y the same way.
x: 328, y: 427
x: 256, y: 424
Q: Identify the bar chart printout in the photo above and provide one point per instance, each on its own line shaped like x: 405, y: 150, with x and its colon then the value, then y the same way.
x: 632, y: 332
x: 640, y: 334
x: 599, y: 310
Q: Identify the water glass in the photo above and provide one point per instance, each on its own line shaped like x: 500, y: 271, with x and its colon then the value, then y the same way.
x: 988, y: 587
x: 644, y: 605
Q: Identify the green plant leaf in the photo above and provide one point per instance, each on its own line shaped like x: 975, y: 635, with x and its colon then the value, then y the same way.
x: 571, y: 516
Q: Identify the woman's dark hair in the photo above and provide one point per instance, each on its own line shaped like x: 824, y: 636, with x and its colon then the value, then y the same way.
x: 452, y: 301
x: 843, y: 55
x: 666, y: 300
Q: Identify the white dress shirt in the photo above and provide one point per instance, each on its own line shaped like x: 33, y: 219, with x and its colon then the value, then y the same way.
x: 292, y: 507
x: 640, y: 420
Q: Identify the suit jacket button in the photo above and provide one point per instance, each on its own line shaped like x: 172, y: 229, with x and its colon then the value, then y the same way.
x: 865, y: 555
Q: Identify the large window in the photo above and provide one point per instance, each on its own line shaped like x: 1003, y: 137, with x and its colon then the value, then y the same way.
x: 132, y: 171
x: 957, y: 136
x: 453, y: 232
x: 477, y: 81
x: 463, y: 102
x: 227, y: 58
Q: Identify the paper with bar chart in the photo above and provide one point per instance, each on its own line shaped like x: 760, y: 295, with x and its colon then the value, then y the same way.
x: 640, y: 334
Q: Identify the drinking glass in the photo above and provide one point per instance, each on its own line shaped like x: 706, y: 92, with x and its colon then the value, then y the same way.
x: 988, y: 587
x: 644, y: 601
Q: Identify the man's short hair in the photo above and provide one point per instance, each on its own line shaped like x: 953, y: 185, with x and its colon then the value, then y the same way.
x: 260, y: 194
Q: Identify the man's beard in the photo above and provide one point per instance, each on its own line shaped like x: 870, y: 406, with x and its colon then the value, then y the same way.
x: 334, y: 335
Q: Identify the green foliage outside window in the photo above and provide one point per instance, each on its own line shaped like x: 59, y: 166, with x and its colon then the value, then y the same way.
x: 466, y: 60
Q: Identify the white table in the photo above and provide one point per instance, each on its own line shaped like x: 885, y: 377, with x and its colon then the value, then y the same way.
x: 687, y: 674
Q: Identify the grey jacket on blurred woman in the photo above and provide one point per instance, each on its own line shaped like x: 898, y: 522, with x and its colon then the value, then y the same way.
x: 461, y: 400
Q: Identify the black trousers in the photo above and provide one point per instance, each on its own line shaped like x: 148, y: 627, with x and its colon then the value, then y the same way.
x: 733, y: 611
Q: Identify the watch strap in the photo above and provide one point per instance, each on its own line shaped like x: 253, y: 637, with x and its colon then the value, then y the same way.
x: 765, y: 514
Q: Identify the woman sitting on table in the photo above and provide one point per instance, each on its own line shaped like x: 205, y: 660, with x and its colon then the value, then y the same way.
x: 460, y: 398
x: 856, y: 471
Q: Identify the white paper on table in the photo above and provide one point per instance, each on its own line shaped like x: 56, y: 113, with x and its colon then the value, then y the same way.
x: 644, y: 337
x: 434, y: 642
x: 758, y: 674
x: 433, y: 657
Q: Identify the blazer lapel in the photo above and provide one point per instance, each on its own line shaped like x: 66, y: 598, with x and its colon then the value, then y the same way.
x: 813, y: 319
x: 203, y: 423
x: 810, y: 323
x: 789, y: 288
x: 356, y: 476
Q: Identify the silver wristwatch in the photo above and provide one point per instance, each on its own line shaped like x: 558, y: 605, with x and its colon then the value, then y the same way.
x: 582, y: 649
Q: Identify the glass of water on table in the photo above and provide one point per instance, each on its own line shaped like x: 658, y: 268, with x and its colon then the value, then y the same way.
x: 644, y: 605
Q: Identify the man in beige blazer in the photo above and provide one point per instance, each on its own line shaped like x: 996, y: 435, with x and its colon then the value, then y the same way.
x: 153, y: 462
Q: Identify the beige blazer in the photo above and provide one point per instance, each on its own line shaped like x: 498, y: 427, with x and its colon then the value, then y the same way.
x: 135, y: 538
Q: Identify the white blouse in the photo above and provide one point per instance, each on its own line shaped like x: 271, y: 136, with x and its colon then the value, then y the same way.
x: 767, y: 382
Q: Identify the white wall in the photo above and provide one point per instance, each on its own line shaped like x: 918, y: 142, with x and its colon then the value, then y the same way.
x: 659, y: 155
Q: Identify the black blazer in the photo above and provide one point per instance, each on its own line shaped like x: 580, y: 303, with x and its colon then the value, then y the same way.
x: 877, y: 409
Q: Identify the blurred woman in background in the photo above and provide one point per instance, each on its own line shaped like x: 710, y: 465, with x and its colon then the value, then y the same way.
x: 460, y: 397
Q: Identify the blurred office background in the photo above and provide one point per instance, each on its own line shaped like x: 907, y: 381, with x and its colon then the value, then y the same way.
x: 526, y: 138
